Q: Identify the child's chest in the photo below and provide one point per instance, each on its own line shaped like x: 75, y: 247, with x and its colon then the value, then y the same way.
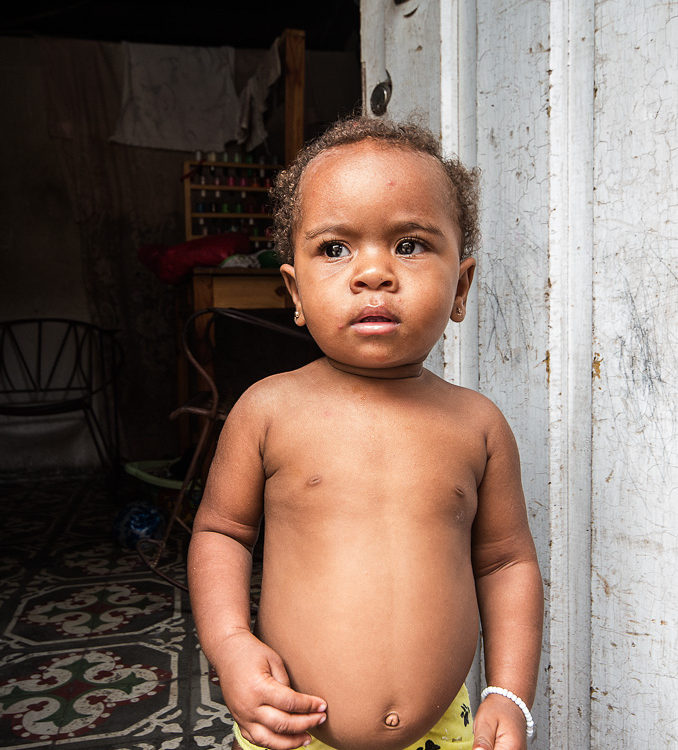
x: 418, y: 463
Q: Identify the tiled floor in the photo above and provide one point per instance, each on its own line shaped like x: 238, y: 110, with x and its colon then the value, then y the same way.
x: 96, y: 652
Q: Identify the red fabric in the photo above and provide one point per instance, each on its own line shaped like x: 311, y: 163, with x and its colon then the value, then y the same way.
x: 171, y: 264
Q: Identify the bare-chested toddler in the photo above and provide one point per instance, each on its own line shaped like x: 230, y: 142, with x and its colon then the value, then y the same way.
x: 395, y: 517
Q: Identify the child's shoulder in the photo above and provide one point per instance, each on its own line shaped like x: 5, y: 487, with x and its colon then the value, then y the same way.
x: 272, y: 392
x: 475, y: 407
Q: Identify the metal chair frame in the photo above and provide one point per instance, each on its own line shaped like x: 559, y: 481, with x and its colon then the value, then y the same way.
x: 211, y: 408
x: 53, y: 366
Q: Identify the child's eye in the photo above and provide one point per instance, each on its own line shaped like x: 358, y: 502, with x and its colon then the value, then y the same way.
x: 409, y: 247
x: 335, y: 250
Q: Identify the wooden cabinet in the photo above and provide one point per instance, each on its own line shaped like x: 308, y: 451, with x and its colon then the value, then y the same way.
x: 241, y: 288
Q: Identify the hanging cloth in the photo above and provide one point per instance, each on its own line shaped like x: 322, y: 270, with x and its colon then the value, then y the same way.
x: 178, y: 98
x: 253, y: 98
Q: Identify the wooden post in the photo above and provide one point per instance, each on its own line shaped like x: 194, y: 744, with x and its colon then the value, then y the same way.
x: 295, y: 58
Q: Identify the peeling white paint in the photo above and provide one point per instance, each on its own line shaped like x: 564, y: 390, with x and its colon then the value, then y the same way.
x: 635, y: 427
x: 513, y: 154
x: 570, y: 109
x: 570, y: 115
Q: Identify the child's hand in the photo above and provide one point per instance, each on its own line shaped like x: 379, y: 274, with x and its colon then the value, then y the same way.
x: 499, y: 725
x: 257, y: 692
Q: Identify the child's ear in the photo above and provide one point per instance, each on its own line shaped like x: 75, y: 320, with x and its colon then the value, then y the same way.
x: 466, y: 270
x: 290, y: 278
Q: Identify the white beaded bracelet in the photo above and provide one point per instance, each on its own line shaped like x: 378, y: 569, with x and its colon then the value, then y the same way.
x: 518, y: 701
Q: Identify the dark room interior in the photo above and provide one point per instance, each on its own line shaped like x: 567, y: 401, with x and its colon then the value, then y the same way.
x: 98, y: 646
x: 79, y: 206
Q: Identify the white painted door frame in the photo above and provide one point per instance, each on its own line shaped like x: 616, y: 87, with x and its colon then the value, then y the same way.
x: 570, y: 249
x: 429, y: 49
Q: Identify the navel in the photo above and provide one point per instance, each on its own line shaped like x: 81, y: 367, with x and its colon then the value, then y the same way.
x: 392, y: 719
x: 314, y: 480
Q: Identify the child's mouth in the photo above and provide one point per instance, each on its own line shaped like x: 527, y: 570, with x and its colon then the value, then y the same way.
x: 374, y: 321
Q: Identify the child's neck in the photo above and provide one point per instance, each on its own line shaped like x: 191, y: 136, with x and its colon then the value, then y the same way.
x: 413, y: 370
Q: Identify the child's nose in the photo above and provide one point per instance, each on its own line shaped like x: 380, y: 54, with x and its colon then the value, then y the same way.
x: 374, y: 272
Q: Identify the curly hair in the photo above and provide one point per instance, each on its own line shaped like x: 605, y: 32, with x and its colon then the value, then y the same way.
x: 286, y: 197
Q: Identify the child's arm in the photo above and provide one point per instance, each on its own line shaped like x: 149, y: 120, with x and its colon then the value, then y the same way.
x: 252, y: 676
x: 510, y: 594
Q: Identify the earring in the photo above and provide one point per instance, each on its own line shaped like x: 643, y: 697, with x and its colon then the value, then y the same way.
x: 296, y: 314
x: 459, y: 311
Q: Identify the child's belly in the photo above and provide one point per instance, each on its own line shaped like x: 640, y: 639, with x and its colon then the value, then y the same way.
x: 381, y: 625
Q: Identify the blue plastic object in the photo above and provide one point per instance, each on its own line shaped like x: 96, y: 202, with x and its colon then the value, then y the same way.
x: 137, y: 521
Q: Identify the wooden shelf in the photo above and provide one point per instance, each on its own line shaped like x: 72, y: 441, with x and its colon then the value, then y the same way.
x: 224, y: 219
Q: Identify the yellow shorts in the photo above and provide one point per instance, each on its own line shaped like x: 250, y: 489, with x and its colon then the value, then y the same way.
x: 454, y: 731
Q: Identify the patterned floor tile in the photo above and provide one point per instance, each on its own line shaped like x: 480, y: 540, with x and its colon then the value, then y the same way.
x: 96, y: 652
x: 64, y: 695
x: 209, y: 716
x: 88, y: 559
x: 85, y: 611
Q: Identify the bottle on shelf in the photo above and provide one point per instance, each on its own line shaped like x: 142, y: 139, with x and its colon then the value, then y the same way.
x: 217, y: 191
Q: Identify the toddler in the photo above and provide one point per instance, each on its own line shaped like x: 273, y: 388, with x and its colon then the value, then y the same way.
x: 395, y: 516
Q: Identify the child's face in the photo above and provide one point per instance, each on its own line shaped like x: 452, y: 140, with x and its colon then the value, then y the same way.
x: 376, y: 272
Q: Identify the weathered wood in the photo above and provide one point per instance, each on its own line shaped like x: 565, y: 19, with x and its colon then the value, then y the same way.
x: 635, y: 384
x: 577, y: 277
x: 513, y: 154
x: 458, y: 137
x: 570, y: 252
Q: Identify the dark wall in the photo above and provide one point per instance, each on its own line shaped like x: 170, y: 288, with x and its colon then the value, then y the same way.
x: 44, y: 265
